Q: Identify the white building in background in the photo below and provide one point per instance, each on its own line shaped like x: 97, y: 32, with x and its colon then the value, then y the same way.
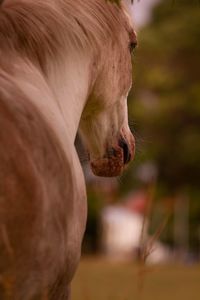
x: 122, y: 226
x: 121, y: 232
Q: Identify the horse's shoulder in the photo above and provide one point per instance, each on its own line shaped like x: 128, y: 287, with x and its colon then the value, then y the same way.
x: 36, y: 181
x: 30, y: 152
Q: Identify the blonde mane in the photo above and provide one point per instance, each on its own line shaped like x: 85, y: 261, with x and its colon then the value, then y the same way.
x: 45, y: 29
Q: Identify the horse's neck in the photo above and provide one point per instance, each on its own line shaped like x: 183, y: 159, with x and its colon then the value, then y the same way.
x: 70, y: 83
x: 61, y: 96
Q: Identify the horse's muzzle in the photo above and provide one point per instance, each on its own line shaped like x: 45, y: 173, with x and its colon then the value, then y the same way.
x: 115, y: 158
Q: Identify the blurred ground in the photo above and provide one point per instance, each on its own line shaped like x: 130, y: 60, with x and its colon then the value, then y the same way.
x: 98, y: 279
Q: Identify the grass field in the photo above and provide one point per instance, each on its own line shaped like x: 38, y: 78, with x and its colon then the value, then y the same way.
x: 98, y: 279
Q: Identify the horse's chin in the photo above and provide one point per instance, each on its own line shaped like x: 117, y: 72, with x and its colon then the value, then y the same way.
x: 110, y: 165
x: 116, y: 158
x: 107, y: 167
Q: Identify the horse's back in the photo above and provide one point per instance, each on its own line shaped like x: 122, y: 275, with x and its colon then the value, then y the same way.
x: 35, y: 184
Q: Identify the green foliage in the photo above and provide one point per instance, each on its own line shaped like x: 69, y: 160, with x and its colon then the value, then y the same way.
x: 165, y: 103
x: 166, y: 100
x: 95, y: 204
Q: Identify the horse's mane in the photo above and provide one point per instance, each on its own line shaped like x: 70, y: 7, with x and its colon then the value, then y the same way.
x: 42, y: 28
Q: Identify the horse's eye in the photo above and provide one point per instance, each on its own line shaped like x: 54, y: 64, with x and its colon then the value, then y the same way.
x: 132, y: 46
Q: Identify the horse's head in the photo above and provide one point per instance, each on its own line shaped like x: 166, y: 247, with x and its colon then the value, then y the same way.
x: 104, y: 124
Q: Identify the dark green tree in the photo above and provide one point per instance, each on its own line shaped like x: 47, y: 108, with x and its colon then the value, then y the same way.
x: 166, y: 92
x: 165, y: 101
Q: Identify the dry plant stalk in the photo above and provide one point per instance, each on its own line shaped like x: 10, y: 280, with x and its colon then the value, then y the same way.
x: 147, y: 246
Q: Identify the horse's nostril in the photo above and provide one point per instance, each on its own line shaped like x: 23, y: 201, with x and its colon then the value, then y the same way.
x: 126, y: 152
x: 112, y: 152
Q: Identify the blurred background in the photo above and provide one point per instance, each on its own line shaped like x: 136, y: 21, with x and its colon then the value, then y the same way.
x: 143, y: 231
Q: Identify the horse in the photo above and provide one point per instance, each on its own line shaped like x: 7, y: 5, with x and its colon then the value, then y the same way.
x: 65, y: 67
